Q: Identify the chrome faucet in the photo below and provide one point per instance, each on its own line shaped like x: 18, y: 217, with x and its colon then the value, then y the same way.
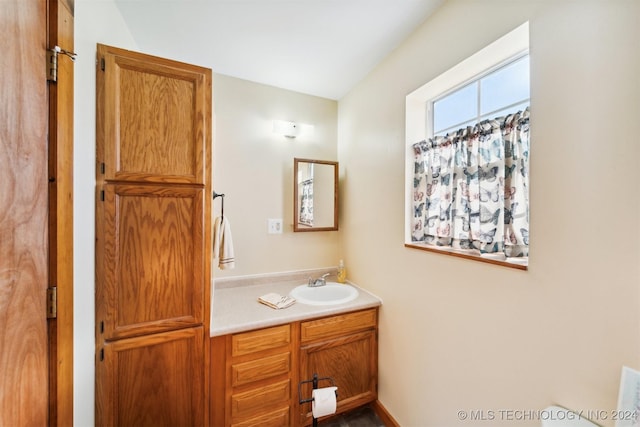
x: 321, y: 281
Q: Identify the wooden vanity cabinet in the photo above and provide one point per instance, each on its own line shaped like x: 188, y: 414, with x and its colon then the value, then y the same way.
x: 255, y: 374
x: 345, y: 348
x: 252, y: 378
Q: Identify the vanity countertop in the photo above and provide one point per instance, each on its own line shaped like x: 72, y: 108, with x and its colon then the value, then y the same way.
x: 235, y: 306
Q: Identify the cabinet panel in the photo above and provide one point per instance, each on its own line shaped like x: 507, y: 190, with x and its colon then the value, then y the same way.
x: 260, y: 369
x: 263, y: 339
x: 155, y: 118
x: 338, y: 325
x: 279, y: 418
x: 351, y: 361
x: 254, y: 401
x: 140, y: 383
x: 153, y: 275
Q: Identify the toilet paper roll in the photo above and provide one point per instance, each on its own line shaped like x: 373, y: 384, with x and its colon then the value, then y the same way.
x: 324, y: 401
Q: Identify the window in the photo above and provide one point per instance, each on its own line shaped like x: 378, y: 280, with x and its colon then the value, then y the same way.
x: 467, y: 173
x: 497, y: 93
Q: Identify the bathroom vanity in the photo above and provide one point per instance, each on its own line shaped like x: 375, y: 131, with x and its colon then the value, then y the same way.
x: 259, y: 359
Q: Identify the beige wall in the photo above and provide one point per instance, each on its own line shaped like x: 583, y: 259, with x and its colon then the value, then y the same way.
x: 462, y: 335
x: 253, y: 167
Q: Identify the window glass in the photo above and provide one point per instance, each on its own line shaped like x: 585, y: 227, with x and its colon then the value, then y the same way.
x: 500, y: 92
x: 506, y: 86
x: 456, y: 108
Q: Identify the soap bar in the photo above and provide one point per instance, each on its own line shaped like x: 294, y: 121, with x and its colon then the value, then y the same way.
x: 276, y: 301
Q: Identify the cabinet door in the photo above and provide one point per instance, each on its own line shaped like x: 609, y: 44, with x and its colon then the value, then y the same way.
x: 351, y: 361
x: 155, y: 118
x: 153, y: 380
x: 153, y: 239
x: 151, y: 260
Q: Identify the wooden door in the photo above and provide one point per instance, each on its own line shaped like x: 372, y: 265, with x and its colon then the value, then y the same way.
x: 351, y: 362
x: 23, y: 216
x: 141, y: 372
x: 344, y: 348
x: 36, y: 384
x: 153, y: 259
x: 153, y: 240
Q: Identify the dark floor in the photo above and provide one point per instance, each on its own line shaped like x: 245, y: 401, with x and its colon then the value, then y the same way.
x: 362, y: 417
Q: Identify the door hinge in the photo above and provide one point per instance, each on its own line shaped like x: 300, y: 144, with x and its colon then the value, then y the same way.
x: 52, y: 65
x: 52, y: 61
x: 52, y: 302
x: 102, y: 195
x: 102, y: 64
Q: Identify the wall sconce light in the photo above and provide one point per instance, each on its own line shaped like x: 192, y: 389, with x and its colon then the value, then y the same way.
x: 291, y: 129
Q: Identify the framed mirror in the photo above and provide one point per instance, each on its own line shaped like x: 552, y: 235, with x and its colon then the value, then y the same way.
x: 315, y: 195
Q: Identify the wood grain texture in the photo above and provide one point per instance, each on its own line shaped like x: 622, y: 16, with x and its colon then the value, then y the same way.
x: 218, y: 380
x: 338, y: 325
x: 345, y: 348
x: 248, y: 368
x: 278, y: 418
x: 153, y: 239
x: 154, y: 259
x: 154, y: 380
x: 345, y: 359
x: 260, y: 340
x: 61, y: 33
x: 155, y: 118
x: 254, y: 402
x: 23, y: 215
x: 260, y: 369
x: 253, y: 378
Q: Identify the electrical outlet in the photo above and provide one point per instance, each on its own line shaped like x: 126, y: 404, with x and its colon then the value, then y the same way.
x: 274, y: 226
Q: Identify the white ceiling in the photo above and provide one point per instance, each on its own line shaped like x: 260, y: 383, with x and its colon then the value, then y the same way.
x: 318, y: 47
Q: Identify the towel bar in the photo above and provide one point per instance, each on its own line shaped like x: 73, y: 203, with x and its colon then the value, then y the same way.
x: 216, y: 195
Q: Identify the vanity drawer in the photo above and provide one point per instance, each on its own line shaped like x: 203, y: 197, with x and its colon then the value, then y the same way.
x: 252, y: 402
x: 263, y: 339
x: 260, y: 369
x: 277, y: 418
x: 338, y: 325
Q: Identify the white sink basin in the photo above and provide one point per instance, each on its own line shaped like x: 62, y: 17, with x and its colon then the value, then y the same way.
x: 330, y: 294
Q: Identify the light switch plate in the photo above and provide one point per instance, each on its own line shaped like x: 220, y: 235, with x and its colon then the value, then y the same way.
x: 274, y: 226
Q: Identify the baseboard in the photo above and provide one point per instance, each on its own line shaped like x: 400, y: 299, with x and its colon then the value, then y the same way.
x: 383, y: 414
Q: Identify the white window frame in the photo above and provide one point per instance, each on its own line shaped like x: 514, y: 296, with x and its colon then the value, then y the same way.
x: 419, y: 124
x: 475, y: 81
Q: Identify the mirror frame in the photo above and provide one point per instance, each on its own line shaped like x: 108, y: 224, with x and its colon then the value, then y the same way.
x: 296, y: 207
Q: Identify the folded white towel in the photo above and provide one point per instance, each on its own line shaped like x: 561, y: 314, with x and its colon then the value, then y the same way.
x: 223, y: 244
x: 276, y: 301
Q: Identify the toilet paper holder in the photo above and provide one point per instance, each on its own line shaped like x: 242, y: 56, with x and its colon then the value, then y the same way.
x: 314, y: 382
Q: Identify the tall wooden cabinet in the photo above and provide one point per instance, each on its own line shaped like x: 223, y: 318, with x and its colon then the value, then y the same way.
x: 153, y: 240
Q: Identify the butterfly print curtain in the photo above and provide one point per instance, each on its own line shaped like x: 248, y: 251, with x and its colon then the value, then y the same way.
x: 306, y: 203
x: 471, y: 188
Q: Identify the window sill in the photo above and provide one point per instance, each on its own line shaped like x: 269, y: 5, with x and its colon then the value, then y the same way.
x: 518, y: 264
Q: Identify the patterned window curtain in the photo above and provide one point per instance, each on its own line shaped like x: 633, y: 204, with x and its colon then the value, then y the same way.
x: 306, y: 204
x: 471, y: 188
